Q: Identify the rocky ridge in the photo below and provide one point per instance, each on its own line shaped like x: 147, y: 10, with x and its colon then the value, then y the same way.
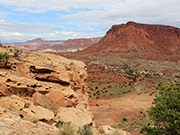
x: 35, y: 44
x: 41, y: 87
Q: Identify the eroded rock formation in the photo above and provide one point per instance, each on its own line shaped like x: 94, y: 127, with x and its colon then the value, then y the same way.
x: 45, y: 87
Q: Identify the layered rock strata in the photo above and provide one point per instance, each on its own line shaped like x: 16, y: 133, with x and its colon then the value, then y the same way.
x: 45, y: 87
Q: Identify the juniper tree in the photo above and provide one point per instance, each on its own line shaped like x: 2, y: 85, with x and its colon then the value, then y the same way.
x: 165, y: 113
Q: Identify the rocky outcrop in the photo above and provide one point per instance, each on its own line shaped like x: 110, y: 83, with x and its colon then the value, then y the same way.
x: 12, y: 124
x: 45, y: 87
x: 135, y: 40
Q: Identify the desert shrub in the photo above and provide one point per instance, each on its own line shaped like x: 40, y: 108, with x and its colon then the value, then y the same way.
x: 17, y: 53
x: 58, y: 124
x: 124, y: 119
x: 1, y: 45
x: 66, y: 129
x: 97, y: 104
x: 97, y: 92
x: 101, y: 130
x: 124, y: 92
x: 4, y: 57
x: 85, y: 131
x: 97, y: 98
x: 71, y: 63
x: 151, y: 93
x: 109, y: 86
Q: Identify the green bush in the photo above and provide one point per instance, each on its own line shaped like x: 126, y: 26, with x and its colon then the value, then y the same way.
x: 4, y: 57
x: 85, y: 131
x: 97, y: 104
x: 165, y: 113
x: 71, y: 63
x: 124, y: 119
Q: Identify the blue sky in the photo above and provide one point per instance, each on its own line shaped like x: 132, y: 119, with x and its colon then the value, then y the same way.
x: 22, y: 20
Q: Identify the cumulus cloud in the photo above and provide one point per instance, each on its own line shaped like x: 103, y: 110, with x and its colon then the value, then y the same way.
x: 149, y: 11
x: 87, y: 17
x: 7, y: 37
x: 26, y: 27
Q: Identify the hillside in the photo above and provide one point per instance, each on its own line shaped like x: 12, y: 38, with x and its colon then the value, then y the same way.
x: 124, y: 68
x: 41, y: 45
x: 75, y: 44
x: 32, y: 83
x: 135, y: 40
x: 35, y: 44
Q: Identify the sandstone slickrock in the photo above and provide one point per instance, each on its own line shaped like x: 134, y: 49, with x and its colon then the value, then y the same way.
x: 12, y: 124
x: 44, y: 101
x: 42, y: 87
x: 74, y: 115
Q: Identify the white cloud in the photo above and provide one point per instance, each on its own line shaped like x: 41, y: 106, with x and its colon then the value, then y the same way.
x: 67, y: 33
x: 87, y: 17
x: 149, y: 11
x: 18, y: 36
x: 26, y: 27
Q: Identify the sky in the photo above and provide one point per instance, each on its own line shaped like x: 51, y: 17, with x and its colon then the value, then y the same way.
x: 22, y: 20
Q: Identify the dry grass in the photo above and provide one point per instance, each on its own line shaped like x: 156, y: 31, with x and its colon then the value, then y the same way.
x: 67, y: 129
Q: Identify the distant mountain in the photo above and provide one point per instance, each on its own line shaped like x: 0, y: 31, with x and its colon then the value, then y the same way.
x: 35, y: 44
x: 135, y: 40
x: 76, y: 44
x: 42, y: 45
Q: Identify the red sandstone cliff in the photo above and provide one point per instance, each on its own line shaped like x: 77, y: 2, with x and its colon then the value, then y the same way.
x: 137, y: 40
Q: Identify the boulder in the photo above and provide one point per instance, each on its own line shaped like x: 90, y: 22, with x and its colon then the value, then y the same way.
x: 64, y: 98
x: 13, y: 103
x: 109, y: 130
x: 26, y: 109
x: 74, y: 115
x: 44, y: 101
x: 36, y: 113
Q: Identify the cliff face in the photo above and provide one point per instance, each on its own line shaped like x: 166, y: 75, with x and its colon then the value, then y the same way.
x: 137, y: 41
x: 45, y: 87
